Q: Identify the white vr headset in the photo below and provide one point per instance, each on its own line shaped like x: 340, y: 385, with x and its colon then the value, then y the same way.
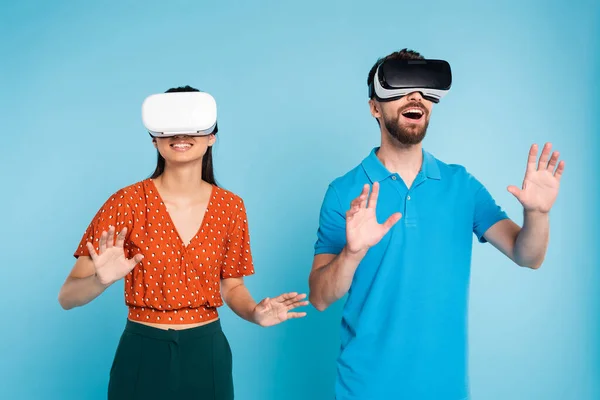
x: 180, y: 113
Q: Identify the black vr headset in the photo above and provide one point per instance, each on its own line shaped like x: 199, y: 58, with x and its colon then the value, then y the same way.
x: 396, y: 78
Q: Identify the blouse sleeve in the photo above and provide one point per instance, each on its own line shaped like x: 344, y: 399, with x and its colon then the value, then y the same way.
x: 114, y: 212
x: 238, y: 257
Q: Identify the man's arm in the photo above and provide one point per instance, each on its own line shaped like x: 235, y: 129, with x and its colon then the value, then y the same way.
x: 525, y: 246
x: 331, y: 277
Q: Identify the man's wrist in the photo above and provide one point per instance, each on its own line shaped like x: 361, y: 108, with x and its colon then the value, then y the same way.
x: 353, y: 256
x: 535, y: 214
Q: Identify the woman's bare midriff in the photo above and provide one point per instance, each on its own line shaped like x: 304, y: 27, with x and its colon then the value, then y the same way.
x: 176, y: 326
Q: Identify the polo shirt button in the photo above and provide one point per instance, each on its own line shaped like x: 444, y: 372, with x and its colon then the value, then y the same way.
x: 407, y: 197
x: 394, y: 177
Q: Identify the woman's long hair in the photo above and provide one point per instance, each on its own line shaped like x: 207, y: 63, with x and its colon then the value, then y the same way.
x: 208, y: 174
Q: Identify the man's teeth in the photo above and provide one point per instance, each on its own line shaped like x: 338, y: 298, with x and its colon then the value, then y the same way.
x: 413, y: 110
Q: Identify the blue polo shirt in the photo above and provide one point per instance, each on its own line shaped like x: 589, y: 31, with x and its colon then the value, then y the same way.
x: 404, y: 323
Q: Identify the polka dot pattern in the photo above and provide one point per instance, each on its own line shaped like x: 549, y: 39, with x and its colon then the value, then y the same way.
x: 175, y: 283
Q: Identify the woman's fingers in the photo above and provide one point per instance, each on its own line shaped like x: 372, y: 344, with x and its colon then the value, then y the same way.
x: 92, y: 251
x: 110, y: 240
x: 136, y: 259
x: 121, y: 237
x: 102, y: 245
x: 296, y: 315
x: 294, y: 299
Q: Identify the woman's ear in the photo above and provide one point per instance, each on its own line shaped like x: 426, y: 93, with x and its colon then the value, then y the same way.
x: 212, y: 139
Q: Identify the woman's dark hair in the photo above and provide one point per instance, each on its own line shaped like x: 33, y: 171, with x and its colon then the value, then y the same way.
x: 207, y: 161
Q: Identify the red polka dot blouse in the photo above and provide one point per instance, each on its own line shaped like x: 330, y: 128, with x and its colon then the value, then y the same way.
x: 175, y: 283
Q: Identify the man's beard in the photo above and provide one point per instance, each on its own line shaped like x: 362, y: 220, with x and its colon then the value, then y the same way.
x: 406, y: 134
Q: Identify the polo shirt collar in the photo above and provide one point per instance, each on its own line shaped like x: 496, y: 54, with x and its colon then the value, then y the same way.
x: 377, y: 172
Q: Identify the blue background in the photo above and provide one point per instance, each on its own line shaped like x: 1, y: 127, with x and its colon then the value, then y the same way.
x: 290, y: 81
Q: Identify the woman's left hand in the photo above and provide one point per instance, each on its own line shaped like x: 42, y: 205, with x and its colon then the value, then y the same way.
x: 271, y: 312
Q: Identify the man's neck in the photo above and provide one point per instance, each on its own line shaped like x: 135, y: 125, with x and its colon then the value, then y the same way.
x: 405, y: 160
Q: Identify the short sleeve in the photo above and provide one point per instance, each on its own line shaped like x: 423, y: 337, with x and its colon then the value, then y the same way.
x: 116, y: 212
x: 238, y: 257
x: 486, y: 211
x: 331, y: 235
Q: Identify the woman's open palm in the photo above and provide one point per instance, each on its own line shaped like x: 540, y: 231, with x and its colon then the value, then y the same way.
x: 110, y: 262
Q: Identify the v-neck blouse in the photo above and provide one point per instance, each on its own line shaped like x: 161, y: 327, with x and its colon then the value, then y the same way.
x: 175, y: 283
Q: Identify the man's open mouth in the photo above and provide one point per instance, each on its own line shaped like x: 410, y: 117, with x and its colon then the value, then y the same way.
x: 413, y: 113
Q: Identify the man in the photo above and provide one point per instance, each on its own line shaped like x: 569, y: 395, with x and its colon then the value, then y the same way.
x: 401, y: 250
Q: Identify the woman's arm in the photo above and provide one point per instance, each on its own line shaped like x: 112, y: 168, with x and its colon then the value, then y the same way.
x: 81, y: 286
x: 266, y: 313
x: 92, y: 274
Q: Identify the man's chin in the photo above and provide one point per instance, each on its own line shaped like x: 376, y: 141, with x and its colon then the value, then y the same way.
x: 406, y: 134
x: 408, y: 138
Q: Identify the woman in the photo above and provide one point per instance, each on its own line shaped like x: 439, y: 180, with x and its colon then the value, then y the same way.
x: 183, y: 247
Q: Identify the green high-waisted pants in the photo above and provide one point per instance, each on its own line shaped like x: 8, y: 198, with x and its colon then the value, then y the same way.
x: 152, y: 363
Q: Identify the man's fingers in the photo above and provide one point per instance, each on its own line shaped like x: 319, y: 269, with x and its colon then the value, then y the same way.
x: 559, y: 170
x: 351, y: 213
x: 543, y: 164
x: 357, y: 202
x: 515, y: 191
x: 364, y: 196
x: 391, y: 221
x: 363, y: 192
x: 360, y: 200
x: 553, y: 161
x: 363, y: 201
x: 374, y: 195
x: 531, y: 159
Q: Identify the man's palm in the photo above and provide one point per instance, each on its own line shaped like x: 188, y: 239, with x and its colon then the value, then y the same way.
x: 542, y: 181
x: 363, y: 231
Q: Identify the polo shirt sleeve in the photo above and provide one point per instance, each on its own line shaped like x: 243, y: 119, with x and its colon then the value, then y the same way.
x: 486, y: 211
x: 115, y: 211
x: 238, y: 257
x: 331, y: 235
